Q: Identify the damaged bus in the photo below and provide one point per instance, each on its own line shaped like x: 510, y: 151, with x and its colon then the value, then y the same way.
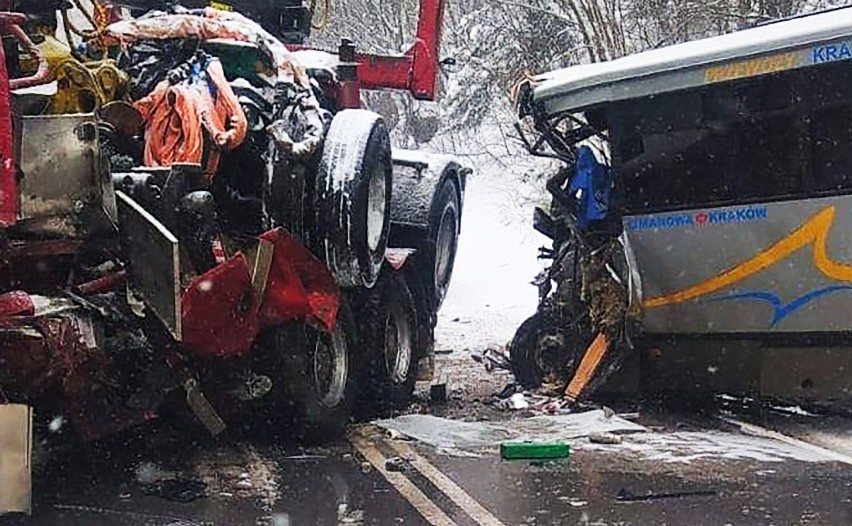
x: 732, y: 156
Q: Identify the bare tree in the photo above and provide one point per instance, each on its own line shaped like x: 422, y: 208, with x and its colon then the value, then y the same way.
x: 496, y: 43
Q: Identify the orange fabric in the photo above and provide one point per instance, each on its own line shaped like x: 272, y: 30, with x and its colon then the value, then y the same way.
x: 177, y: 115
x: 224, y: 118
x: 173, y: 125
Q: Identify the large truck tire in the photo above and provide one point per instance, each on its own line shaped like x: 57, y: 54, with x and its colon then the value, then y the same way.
x: 392, y: 337
x: 442, y: 242
x: 353, y: 192
x: 316, y: 375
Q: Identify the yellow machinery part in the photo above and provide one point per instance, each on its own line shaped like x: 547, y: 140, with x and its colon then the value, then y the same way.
x: 83, y: 88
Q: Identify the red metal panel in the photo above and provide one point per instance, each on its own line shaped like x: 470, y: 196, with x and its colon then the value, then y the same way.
x: 417, y: 70
x: 427, y: 49
x: 383, y: 72
x: 8, y: 184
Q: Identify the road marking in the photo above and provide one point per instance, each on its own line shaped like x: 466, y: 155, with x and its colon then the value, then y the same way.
x: 755, y: 430
x: 461, y: 498
x: 428, y: 509
x: 142, y: 517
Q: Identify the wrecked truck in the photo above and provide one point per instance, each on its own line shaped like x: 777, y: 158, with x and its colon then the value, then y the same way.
x: 198, y: 219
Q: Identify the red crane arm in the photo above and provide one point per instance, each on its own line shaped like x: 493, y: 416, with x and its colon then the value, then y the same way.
x: 417, y: 70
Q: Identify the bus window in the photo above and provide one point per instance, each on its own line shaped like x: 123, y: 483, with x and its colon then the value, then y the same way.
x: 831, y: 128
x: 744, y: 144
x: 831, y: 149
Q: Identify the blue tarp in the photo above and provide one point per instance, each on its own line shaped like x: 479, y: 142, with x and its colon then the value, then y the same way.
x: 590, y: 188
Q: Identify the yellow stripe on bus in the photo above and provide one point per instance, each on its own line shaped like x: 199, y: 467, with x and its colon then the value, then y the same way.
x: 752, y: 68
x: 814, y: 231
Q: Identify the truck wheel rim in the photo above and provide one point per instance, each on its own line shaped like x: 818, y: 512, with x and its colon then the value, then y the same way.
x: 376, y: 208
x: 331, y: 367
x: 398, y: 345
x: 445, y: 247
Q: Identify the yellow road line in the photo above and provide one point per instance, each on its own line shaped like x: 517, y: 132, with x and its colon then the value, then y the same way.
x: 428, y: 509
x: 461, y: 498
x: 754, y: 430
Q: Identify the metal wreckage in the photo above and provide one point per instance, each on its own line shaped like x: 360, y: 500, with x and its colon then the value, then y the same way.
x: 579, y: 337
x: 195, y: 211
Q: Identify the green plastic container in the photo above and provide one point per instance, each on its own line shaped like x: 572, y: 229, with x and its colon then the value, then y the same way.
x: 534, y: 450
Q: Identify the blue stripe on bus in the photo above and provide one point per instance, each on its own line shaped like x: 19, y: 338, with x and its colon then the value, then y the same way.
x: 782, y: 310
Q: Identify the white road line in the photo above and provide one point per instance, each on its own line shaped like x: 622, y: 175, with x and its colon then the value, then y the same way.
x: 461, y: 498
x: 755, y: 430
x: 428, y: 509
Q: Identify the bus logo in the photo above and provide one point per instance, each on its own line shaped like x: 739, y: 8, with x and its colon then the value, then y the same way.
x: 747, y: 214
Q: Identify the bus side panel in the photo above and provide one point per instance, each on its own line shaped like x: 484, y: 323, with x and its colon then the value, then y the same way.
x: 779, y: 267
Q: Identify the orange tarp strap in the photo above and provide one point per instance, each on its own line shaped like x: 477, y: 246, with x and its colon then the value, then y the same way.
x: 176, y: 116
x: 588, y: 367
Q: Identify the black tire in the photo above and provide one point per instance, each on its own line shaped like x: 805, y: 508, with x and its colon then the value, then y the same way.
x: 427, y: 320
x: 392, y: 337
x: 438, y: 257
x: 299, y: 379
x: 353, y: 193
x: 542, y: 347
x: 522, y: 352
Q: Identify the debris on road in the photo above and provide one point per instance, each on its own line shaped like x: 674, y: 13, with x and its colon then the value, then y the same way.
x: 493, y: 359
x: 533, y: 403
x: 518, y: 401
x: 627, y: 496
x: 534, y: 450
x: 605, y: 438
x: 395, y: 464
x: 439, y: 391
x: 177, y: 490
x: 471, y: 436
x: 149, y: 473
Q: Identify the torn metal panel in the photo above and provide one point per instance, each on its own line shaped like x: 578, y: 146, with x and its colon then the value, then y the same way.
x: 154, y: 262
x: 64, y: 188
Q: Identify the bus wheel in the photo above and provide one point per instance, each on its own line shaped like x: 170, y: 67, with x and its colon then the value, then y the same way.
x: 540, y: 349
x: 393, y: 336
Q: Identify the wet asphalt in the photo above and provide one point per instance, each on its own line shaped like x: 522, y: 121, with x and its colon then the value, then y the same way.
x: 264, y: 482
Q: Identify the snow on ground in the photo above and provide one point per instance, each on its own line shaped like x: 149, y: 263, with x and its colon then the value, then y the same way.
x: 490, y: 294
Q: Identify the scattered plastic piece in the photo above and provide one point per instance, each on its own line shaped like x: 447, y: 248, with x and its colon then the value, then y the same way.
x: 605, y: 438
x: 177, y: 490
x: 534, y: 450
x: 395, y: 464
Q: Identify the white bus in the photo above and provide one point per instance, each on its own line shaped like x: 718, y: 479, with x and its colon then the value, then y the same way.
x: 735, y: 157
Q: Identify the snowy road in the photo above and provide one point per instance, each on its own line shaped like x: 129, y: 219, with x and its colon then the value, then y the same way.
x: 490, y: 294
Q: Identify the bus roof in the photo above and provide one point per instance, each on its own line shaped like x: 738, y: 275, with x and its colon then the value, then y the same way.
x: 789, y: 44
